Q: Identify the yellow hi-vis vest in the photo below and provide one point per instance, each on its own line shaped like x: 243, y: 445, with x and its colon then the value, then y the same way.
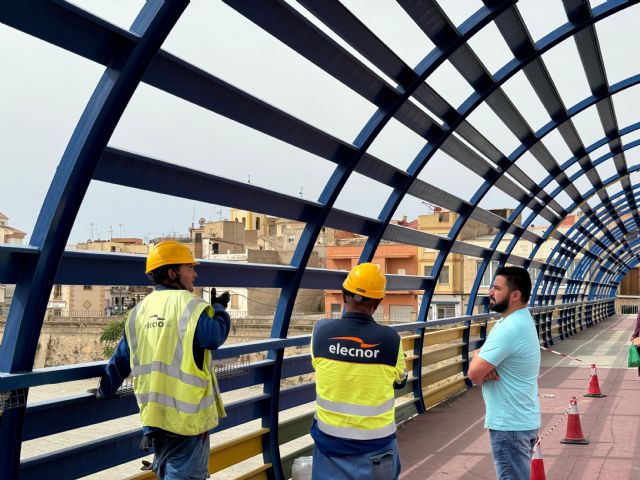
x: 172, y: 392
x: 356, y: 363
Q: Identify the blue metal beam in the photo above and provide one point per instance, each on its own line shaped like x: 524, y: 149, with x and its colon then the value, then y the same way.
x: 67, y: 189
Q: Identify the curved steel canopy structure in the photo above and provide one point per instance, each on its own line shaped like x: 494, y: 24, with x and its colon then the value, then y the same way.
x: 604, y: 238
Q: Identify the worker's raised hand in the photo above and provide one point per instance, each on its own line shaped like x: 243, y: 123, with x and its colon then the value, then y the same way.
x: 223, y: 299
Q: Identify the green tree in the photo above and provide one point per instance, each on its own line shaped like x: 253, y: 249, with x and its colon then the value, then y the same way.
x: 111, y: 335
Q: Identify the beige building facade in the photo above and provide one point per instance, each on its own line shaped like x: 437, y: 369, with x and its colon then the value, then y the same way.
x: 12, y: 236
x: 77, y: 301
x: 98, y: 300
x: 454, y: 285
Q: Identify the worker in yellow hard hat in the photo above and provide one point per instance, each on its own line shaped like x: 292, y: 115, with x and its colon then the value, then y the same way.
x: 358, y: 364
x: 166, y: 348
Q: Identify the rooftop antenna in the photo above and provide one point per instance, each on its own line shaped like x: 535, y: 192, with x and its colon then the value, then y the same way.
x: 430, y: 206
x: 193, y: 218
x: 301, y: 191
x: 217, y: 211
x: 249, y: 179
x: 120, y: 225
x: 91, y: 230
x: 110, y: 232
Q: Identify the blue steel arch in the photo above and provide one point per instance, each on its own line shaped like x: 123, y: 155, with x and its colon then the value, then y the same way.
x: 138, y: 58
x: 619, y: 236
x: 583, y: 236
x: 532, y: 53
x: 575, y: 241
x: 562, y: 118
x: 99, y: 120
x: 588, y: 262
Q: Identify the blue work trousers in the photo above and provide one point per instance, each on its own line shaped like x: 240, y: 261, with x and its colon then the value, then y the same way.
x: 383, y: 464
x: 178, y: 457
x: 512, y: 453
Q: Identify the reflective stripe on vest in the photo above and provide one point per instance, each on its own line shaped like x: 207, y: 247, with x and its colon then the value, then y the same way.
x: 356, y: 433
x: 133, y: 340
x: 172, y: 370
x: 172, y: 402
x: 352, y: 409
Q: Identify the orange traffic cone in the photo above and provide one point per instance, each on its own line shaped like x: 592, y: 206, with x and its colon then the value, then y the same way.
x: 537, y: 464
x: 574, y: 433
x: 594, y: 387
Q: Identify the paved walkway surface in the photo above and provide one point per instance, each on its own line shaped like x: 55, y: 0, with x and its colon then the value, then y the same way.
x: 449, y: 442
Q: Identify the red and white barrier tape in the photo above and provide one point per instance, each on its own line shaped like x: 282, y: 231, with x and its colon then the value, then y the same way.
x: 562, y: 354
x: 557, y: 424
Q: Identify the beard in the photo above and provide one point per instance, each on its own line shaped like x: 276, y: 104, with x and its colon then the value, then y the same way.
x: 499, y: 307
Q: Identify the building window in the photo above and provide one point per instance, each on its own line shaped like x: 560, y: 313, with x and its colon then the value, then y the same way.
x: 57, y: 291
x: 444, y: 275
x: 489, y: 273
x: 87, y: 287
x: 257, y: 224
x: 198, y: 237
x: 445, y: 310
x: 336, y: 310
x: 291, y: 239
x: 235, y: 301
x: 402, y: 271
x: 215, y: 248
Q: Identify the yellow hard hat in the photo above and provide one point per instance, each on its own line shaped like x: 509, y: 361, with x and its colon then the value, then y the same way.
x: 169, y: 253
x: 365, y: 280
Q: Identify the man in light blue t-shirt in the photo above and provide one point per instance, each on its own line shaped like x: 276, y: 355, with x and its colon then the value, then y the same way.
x: 507, y: 367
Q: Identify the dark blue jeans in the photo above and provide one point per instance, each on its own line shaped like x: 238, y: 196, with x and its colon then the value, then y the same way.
x: 383, y: 464
x: 512, y: 453
x: 177, y: 457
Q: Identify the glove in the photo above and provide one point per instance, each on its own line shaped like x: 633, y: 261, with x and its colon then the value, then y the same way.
x: 223, y: 299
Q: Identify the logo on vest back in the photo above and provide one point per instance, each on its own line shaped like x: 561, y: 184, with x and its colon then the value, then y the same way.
x: 362, y: 350
x: 157, y: 323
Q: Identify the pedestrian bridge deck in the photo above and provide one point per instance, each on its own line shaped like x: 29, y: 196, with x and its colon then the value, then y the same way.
x: 449, y: 442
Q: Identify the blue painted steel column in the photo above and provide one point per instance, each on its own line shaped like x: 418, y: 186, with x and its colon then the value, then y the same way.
x: 63, y: 200
x: 426, y: 67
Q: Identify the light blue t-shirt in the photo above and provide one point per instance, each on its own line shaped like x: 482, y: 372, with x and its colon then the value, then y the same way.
x: 513, y: 347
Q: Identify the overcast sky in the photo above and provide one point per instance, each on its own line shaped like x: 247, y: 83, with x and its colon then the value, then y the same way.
x: 45, y: 89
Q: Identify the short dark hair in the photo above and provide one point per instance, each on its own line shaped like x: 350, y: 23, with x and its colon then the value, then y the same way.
x: 360, y: 299
x: 517, y: 279
x: 160, y: 276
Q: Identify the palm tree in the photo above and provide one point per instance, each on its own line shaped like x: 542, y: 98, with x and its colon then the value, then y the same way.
x: 111, y: 335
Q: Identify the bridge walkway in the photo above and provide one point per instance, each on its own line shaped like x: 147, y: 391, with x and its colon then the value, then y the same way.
x: 449, y: 442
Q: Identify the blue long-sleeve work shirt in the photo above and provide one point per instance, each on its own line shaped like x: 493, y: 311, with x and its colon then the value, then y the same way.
x: 211, y: 332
